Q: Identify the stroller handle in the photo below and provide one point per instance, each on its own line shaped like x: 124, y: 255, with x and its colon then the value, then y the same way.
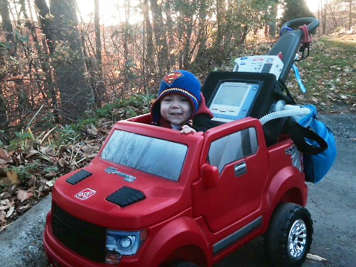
x: 311, y: 22
x: 289, y: 41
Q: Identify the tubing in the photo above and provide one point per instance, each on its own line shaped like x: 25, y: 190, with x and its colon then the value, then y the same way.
x: 289, y: 110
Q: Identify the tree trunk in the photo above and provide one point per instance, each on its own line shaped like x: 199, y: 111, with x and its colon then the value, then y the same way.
x: 7, y: 27
x: 148, y: 56
x: 333, y: 15
x: 170, y: 37
x: 45, y: 22
x: 97, y: 35
x: 350, y: 14
x: 160, y: 37
x: 272, y: 23
x: 76, y: 95
x: 126, y: 49
x: 323, y: 17
x: 202, y: 36
x: 47, y: 44
x: 99, y: 89
x: 220, y: 19
x: 187, y: 37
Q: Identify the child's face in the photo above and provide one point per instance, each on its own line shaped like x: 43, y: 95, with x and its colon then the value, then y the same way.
x: 176, y: 109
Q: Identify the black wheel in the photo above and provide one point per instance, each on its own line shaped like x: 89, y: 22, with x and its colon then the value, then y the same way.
x: 289, y: 236
x: 185, y: 264
x: 180, y: 264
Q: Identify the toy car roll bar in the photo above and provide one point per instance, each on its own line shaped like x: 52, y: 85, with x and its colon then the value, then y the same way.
x: 295, y: 34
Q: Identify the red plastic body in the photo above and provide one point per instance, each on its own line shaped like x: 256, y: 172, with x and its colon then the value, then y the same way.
x: 190, y: 219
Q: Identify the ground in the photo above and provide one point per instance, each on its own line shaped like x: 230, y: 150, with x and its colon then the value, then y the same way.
x: 30, y: 165
x: 331, y: 204
x: 329, y: 74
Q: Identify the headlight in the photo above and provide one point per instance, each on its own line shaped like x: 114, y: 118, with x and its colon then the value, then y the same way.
x: 121, y: 243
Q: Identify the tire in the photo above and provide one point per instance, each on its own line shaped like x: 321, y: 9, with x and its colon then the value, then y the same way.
x: 183, y: 264
x: 289, y: 236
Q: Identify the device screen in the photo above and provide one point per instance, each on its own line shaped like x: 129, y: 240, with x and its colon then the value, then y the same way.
x: 232, y: 100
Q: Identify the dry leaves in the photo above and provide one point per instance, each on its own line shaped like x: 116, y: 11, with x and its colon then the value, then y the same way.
x: 314, y: 257
x: 28, y: 173
x: 23, y: 195
x: 329, y: 76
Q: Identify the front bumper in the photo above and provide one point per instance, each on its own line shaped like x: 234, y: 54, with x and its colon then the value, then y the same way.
x: 60, y: 255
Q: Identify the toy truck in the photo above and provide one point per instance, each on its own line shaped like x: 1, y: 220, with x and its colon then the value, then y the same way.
x: 156, y: 197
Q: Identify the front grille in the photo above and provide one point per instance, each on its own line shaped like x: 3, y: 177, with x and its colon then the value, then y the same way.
x: 86, y: 239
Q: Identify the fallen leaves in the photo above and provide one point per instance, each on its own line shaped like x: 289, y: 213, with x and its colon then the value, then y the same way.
x: 28, y: 172
x: 23, y: 195
x: 329, y: 76
x: 10, y: 211
x: 6, y: 209
x: 4, y: 156
x: 314, y: 257
x: 13, y: 177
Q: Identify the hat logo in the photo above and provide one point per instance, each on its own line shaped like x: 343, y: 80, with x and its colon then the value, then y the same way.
x: 171, y: 77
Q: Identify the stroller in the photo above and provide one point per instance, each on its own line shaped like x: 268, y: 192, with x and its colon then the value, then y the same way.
x: 256, y: 88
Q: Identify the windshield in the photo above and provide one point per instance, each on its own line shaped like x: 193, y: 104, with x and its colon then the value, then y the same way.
x: 147, y: 154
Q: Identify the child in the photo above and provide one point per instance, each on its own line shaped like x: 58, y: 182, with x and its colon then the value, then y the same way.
x: 179, y: 102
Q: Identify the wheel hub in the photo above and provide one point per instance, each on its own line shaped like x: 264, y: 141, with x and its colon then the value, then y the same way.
x: 297, y: 239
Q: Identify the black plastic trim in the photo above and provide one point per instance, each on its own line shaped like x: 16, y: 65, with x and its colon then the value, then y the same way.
x: 78, y: 177
x: 126, y: 196
x: 236, y: 236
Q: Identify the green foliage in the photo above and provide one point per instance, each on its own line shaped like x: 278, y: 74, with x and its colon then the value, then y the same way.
x: 22, y: 140
x: 82, y: 124
x: 131, y: 106
x: 138, y: 101
x: 25, y: 172
x: 2, y: 136
x: 69, y: 134
x: 23, y: 39
x: 106, y: 111
x: 4, y: 45
x: 53, y: 169
x: 295, y: 9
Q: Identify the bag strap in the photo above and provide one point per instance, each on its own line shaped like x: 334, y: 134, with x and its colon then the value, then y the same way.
x: 298, y: 134
x: 286, y: 97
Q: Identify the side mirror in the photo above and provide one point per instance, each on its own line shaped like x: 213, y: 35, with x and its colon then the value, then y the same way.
x: 210, y: 175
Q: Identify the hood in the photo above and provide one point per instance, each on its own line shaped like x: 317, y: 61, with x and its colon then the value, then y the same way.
x: 117, y: 197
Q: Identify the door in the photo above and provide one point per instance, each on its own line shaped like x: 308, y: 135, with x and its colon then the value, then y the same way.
x: 242, y: 165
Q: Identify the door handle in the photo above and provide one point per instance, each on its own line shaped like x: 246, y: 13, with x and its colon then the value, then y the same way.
x: 240, y: 169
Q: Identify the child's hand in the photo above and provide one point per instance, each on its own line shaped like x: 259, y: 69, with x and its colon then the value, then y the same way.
x: 186, y: 129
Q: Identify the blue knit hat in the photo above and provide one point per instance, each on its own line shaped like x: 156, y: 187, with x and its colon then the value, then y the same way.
x: 178, y: 82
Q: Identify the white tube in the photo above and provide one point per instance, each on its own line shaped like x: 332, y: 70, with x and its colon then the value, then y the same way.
x: 290, y: 111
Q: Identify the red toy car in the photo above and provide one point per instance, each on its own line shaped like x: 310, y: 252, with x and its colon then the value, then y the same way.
x: 153, y: 196
x: 156, y: 197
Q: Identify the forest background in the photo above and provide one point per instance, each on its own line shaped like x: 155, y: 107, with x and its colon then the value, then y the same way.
x: 65, y: 79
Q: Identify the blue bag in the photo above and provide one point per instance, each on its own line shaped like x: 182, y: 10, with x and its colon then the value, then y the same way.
x: 317, y: 165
